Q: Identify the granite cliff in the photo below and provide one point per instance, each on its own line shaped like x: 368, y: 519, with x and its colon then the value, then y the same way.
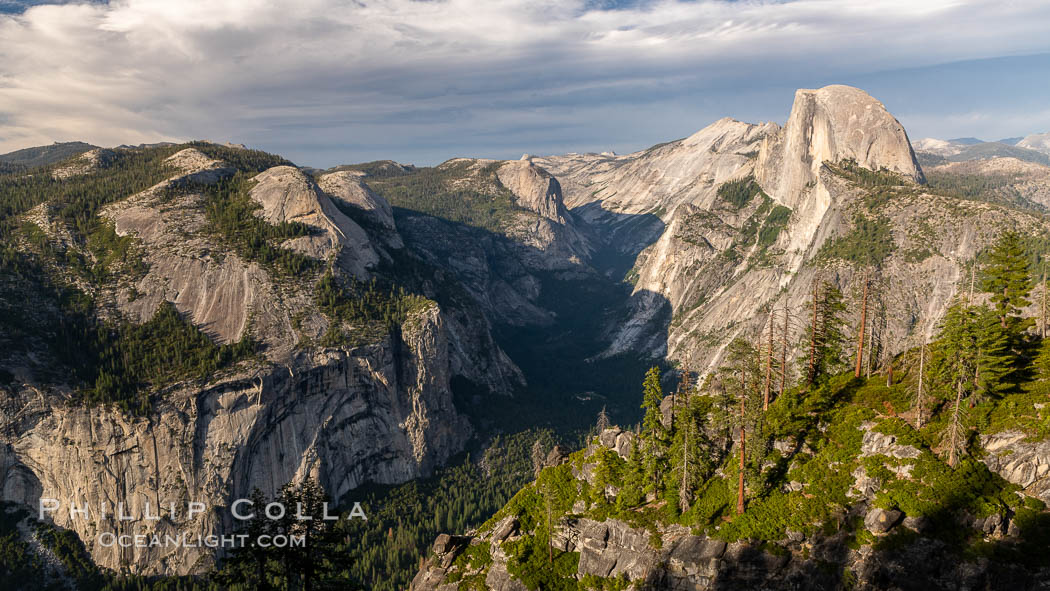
x: 738, y: 220
x: 372, y: 405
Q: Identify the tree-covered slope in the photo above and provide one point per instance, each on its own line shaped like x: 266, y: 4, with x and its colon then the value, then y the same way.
x: 27, y: 158
x: 923, y: 472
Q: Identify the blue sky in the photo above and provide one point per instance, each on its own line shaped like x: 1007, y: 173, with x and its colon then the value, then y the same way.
x: 325, y: 82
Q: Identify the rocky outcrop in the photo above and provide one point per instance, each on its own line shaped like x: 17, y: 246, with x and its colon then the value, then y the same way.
x: 655, y: 181
x: 84, y: 163
x: 938, y: 147
x: 288, y: 195
x: 681, y: 561
x: 348, y: 188
x: 831, y: 124
x: 861, y: 545
x: 1016, y: 458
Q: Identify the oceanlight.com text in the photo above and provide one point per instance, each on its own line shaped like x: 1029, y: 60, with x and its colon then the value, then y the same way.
x: 185, y: 540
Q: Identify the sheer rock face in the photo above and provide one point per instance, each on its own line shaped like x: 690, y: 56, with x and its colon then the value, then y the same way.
x: 288, y: 195
x: 217, y: 292
x: 381, y: 413
x: 534, y: 188
x: 552, y: 240
x: 832, y: 124
x: 348, y: 188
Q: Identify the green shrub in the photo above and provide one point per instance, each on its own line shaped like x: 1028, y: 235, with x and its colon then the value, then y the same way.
x: 739, y: 193
x: 868, y: 243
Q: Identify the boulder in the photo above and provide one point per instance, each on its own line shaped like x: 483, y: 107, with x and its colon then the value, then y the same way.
x: 507, y: 527
x: 880, y: 521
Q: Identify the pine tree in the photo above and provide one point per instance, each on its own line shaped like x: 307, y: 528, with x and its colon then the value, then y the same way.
x: 1007, y: 279
x: 920, y: 400
x: 957, y: 362
x: 784, y: 354
x: 1042, y: 363
x: 652, y: 396
x: 769, y: 367
x: 742, y: 375
x: 994, y: 358
x: 653, y: 435
x: 633, y: 488
x: 690, y: 448
x: 1043, y: 305
x: 863, y: 325
x: 955, y: 427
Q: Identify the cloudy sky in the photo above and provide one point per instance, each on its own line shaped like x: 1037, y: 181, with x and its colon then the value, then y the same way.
x: 325, y: 82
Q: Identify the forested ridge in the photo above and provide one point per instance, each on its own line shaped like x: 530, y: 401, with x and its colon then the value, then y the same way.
x: 51, y: 279
x: 761, y: 448
x: 451, y: 191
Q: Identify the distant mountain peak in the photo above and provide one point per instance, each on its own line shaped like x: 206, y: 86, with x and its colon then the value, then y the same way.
x: 1039, y: 142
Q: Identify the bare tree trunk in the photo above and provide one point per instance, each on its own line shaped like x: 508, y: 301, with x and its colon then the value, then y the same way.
x: 784, y: 353
x: 860, y: 333
x: 674, y: 403
x: 769, y: 366
x: 973, y: 274
x: 740, y: 490
x: 977, y: 373
x: 683, y: 490
x: 1002, y: 317
x: 871, y: 339
x: 813, y: 339
x: 550, y: 533
x: 953, y: 441
x: 1043, y: 331
x: 922, y: 375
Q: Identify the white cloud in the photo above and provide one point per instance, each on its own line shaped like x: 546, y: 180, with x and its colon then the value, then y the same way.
x: 312, y: 77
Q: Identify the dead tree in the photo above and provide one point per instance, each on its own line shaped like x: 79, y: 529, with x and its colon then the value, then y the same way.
x: 603, y: 421
x: 813, y: 338
x: 683, y: 490
x: 973, y: 275
x: 863, y: 325
x: 784, y: 353
x: 955, y: 430
x: 740, y: 491
x: 1043, y: 332
x: 769, y: 366
x: 919, y: 402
